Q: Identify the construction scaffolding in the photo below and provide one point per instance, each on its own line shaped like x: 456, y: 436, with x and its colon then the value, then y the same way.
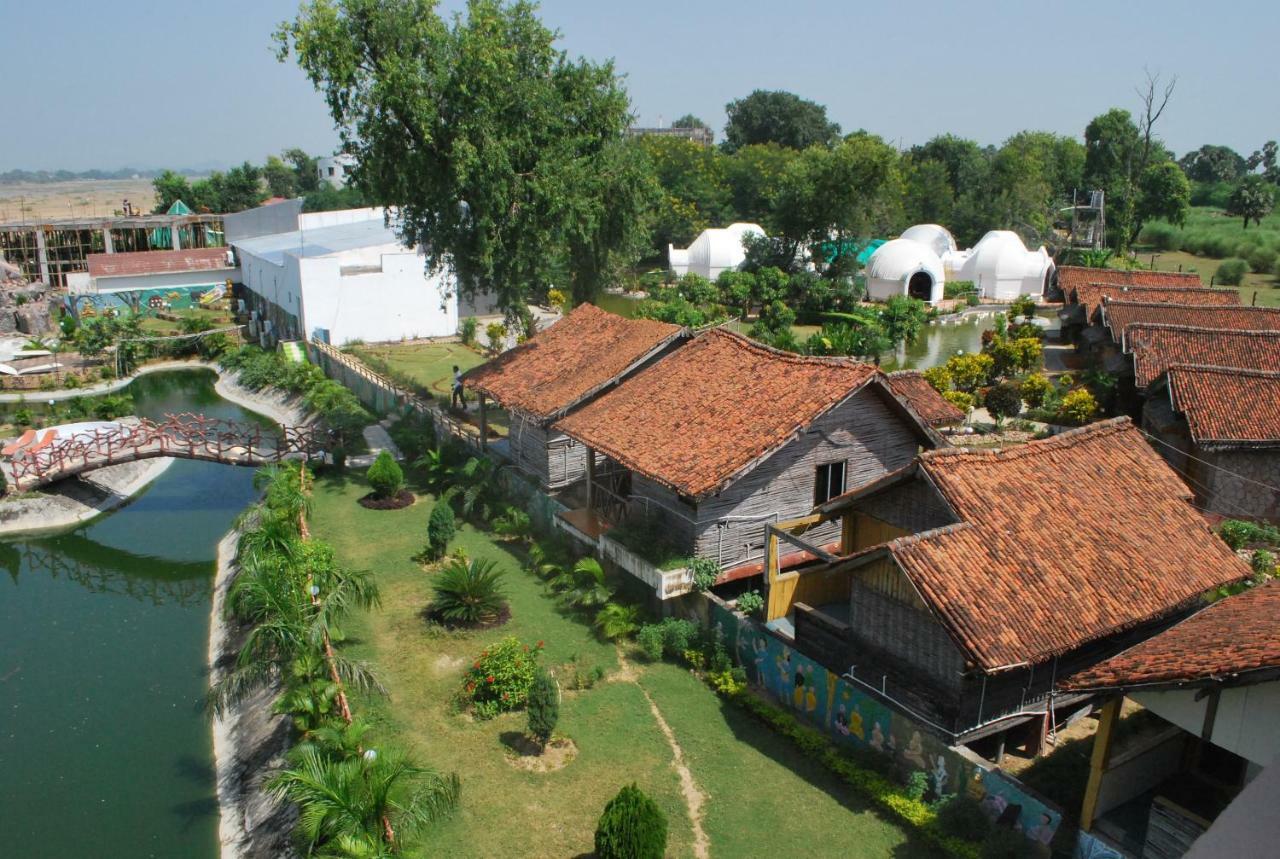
x: 50, y: 250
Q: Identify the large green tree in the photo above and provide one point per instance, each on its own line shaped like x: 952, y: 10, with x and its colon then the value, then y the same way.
x: 694, y: 194
x: 1212, y: 163
x: 304, y: 167
x: 1164, y: 192
x: 776, y: 116
x: 282, y: 180
x: 499, y: 152
x: 1253, y: 199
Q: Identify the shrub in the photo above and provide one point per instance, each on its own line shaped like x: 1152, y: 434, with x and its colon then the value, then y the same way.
x: 939, y: 377
x: 1231, y: 271
x: 751, y: 603
x: 467, y: 331
x: 632, y: 827
x: 514, y: 524
x: 501, y: 678
x: 1004, y: 401
x: 1238, y: 534
x: 917, y: 785
x: 962, y: 817
x: 678, y: 635
x: 616, y: 621
x: 959, y: 399
x: 544, y: 706
x: 705, y: 571
x: 23, y: 417
x: 441, y: 528
x: 957, y: 288
x: 972, y: 301
x: 1263, y: 564
x: 1161, y: 236
x: 650, y: 638
x: 1262, y: 259
x: 385, y: 475
x: 968, y: 372
x: 469, y: 592
x: 1022, y: 306
x: 496, y: 333
x: 1078, y: 407
x: 1034, y: 388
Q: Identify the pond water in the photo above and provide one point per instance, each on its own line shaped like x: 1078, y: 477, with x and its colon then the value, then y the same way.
x: 937, y: 343
x: 105, y: 749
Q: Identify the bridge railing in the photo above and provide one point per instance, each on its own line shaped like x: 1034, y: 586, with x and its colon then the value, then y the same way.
x: 187, y: 436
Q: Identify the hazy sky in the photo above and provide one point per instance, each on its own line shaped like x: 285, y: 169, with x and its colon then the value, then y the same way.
x: 152, y: 84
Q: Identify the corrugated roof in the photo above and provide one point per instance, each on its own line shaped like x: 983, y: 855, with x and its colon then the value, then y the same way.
x: 1060, y: 542
x: 1156, y: 347
x: 568, y: 362
x: 696, y: 419
x: 1233, y: 636
x: 157, y: 262
x: 1227, y: 405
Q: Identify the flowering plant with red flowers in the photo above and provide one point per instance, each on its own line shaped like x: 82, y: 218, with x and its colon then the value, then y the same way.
x: 500, y: 678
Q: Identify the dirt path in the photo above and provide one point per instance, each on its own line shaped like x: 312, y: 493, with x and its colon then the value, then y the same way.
x: 693, y: 795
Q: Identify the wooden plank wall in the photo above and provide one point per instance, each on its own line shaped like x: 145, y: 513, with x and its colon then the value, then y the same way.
x: 553, y: 459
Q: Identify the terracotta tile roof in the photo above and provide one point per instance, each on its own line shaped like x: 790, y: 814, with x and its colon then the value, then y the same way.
x: 157, y: 262
x: 1156, y: 347
x: 1061, y: 542
x: 1228, y: 406
x: 700, y: 416
x: 1117, y: 315
x: 1090, y: 295
x: 576, y: 357
x: 923, y: 398
x: 1233, y: 636
x: 1070, y: 277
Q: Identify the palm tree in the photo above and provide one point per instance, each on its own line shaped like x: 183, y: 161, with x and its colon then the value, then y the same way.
x: 616, y: 621
x: 469, y: 593
x: 583, y: 586
x: 514, y: 524
x: 351, y: 805
x: 335, y: 739
x: 474, y: 483
x: 282, y: 488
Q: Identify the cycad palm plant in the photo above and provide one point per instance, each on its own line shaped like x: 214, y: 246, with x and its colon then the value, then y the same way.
x: 350, y: 802
x: 616, y: 621
x: 469, y: 592
x: 583, y: 586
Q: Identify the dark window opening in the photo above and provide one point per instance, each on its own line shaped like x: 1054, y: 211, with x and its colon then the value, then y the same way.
x: 828, y: 482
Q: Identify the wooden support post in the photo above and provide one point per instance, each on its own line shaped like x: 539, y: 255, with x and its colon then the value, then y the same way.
x: 1101, y: 759
x: 1000, y: 739
x: 591, y: 478
x: 42, y: 255
x: 848, y: 532
x: 108, y: 246
x: 484, y: 424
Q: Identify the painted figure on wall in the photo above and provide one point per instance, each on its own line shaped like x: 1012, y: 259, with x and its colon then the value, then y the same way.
x: 914, y: 753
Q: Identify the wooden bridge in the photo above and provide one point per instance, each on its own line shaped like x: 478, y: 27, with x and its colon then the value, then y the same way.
x: 186, y: 436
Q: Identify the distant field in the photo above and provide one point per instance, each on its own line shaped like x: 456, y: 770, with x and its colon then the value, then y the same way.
x: 79, y: 199
x: 1211, y: 236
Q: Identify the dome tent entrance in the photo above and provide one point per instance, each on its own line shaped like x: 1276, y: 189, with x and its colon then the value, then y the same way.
x: 905, y: 267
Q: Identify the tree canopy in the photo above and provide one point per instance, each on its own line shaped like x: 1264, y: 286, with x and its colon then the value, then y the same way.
x: 503, y: 157
x: 1212, y: 163
x: 776, y: 116
x: 1252, y: 200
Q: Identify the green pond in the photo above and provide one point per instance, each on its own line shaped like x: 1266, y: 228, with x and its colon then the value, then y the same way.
x: 105, y: 749
x: 938, y: 342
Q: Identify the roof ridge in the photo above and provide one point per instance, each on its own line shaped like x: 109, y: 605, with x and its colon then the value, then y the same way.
x: 1218, y: 368
x: 1108, y: 300
x: 1196, y: 329
x: 1128, y: 286
x: 1067, y: 438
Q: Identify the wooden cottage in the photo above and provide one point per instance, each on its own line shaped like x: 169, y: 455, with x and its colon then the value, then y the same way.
x: 708, y: 445
x: 558, y: 370
x: 1220, y: 428
x: 968, y: 580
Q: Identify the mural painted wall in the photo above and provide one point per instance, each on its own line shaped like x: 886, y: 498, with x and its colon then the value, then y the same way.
x: 854, y: 717
x: 1092, y: 847
x: 145, y: 300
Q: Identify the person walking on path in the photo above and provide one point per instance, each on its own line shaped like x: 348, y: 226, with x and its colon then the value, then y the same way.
x: 459, y: 396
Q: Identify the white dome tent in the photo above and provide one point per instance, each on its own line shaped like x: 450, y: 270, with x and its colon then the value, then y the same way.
x: 939, y: 239
x: 713, y: 251
x: 905, y: 267
x: 1001, y: 267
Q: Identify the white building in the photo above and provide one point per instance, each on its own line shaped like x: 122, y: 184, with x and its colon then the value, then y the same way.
x: 335, y: 169
x: 905, y: 267
x: 344, y: 276
x: 713, y: 251
x: 920, y: 261
x: 1001, y: 267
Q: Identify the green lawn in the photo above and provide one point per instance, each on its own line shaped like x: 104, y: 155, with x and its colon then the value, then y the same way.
x: 429, y: 364
x: 761, y: 795
x: 1210, y: 236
